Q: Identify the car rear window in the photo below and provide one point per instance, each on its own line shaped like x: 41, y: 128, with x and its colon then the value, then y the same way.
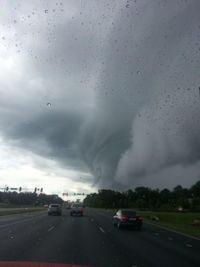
x: 128, y: 213
x: 54, y: 206
x: 76, y: 206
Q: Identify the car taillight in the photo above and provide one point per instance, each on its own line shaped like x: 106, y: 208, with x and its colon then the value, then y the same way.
x: 139, y: 218
x: 123, y: 218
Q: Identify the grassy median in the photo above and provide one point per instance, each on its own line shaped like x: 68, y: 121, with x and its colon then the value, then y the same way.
x: 178, y: 221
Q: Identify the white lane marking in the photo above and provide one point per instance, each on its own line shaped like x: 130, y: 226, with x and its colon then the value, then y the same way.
x: 173, y: 231
x: 170, y: 238
x: 26, y: 220
x: 188, y: 245
x: 10, y: 224
x: 101, y: 229
x: 51, y: 228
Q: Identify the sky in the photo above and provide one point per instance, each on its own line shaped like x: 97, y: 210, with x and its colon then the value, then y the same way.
x: 99, y: 94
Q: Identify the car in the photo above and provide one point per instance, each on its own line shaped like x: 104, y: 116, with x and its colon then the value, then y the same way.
x: 76, y: 209
x: 127, y: 218
x: 55, y: 209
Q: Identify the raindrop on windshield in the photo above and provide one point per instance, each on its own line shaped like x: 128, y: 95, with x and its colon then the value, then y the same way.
x: 48, y: 104
x: 46, y: 11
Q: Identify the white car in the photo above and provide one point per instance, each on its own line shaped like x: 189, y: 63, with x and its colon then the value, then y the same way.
x: 76, y: 209
x: 55, y: 209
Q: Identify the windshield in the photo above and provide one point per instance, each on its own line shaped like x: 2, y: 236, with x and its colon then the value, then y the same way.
x: 76, y: 206
x: 128, y: 213
x: 100, y: 113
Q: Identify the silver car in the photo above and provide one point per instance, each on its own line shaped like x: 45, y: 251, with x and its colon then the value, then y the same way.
x: 55, y: 209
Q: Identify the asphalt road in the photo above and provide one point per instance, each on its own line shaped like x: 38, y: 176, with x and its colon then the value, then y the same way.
x: 11, y: 209
x: 92, y: 240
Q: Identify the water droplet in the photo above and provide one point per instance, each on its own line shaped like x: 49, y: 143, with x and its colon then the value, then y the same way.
x: 46, y: 11
x: 138, y: 72
x: 127, y: 5
x: 15, y: 21
x: 3, y: 38
x: 48, y: 104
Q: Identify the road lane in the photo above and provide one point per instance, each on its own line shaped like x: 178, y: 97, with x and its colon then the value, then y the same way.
x: 167, y: 248
x: 13, y: 218
x: 70, y: 240
x: 92, y: 240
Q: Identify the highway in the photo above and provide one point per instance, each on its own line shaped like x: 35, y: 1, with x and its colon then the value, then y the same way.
x: 92, y: 240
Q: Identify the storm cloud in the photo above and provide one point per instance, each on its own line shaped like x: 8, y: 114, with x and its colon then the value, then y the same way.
x: 108, y: 88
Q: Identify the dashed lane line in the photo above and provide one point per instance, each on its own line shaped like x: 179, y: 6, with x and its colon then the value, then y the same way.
x: 102, y: 230
x: 188, y: 245
x: 51, y: 228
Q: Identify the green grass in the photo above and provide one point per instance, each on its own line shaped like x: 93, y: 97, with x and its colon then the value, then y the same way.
x: 181, y: 222
x: 10, y: 212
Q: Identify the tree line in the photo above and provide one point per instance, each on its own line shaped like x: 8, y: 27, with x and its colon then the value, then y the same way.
x: 147, y: 198
x: 28, y: 198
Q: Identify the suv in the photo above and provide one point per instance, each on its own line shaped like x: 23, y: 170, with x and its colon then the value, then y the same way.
x: 76, y: 209
x: 55, y: 209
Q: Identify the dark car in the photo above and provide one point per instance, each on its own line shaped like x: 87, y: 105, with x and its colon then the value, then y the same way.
x: 127, y: 218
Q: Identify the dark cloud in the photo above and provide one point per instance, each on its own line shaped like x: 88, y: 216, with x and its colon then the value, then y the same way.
x: 150, y: 84
x: 105, y: 87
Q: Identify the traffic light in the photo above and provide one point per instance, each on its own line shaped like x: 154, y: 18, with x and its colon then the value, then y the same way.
x: 7, y: 188
x: 41, y: 190
x: 20, y: 189
x: 35, y: 190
